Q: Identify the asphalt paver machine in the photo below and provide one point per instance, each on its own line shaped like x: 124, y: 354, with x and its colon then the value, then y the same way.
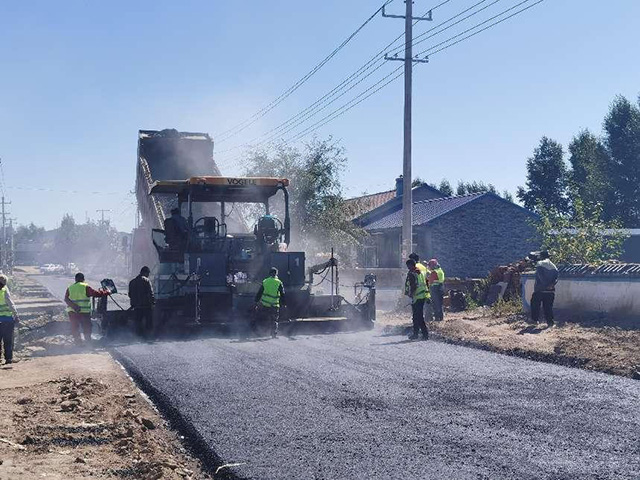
x: 212, y: 275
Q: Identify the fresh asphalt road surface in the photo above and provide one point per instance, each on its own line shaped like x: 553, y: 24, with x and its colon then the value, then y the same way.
x: 368, y: 406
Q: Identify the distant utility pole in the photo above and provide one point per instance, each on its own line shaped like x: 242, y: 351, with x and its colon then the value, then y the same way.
x: 3, y: 253
x: 12, y: 247
x: 102, y: 212
x: 407, y: 197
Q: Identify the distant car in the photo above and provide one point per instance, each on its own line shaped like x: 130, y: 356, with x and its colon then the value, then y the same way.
x: 47, y: 268
x: 58, y: 269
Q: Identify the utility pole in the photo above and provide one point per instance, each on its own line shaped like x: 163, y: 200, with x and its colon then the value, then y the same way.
x: 407, y: 197
x: 3, y: 253
x: 102, y: 212
x: 12, y: 249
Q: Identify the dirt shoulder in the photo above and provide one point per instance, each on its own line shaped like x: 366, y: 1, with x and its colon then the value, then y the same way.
x: 72, y: 412
x: 79, y: 416
x: 586, y: 344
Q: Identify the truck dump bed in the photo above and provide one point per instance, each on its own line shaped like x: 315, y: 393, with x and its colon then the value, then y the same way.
x: 169, y: 155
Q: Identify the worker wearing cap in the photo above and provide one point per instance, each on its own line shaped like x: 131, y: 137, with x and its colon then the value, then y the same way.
x: 416, y: 289
x: 78, y: 300
x: 268, y: 299
x: 428, y: 307
x: 436, y: 286
x: 8, y: 320
x: 544, y: 288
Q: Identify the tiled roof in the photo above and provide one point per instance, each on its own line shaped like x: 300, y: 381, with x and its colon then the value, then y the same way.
x: 424, y: 211
x: 360, y: 205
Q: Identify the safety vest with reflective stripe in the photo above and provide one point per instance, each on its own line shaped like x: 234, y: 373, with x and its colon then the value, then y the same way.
x: 422, y: 292
x: 438, y: 278
x: 271, y: 292
x: 78, y: 295
x: 5, y: 311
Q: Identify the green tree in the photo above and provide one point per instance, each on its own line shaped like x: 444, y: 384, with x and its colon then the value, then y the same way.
x: 446, y: 188
x: 417, y: 182
x: 622, y: 139
x: 29, y: 233
x: 66, y: 239
x: 581, y: 237
x: 467, y: 188
x: 590, y: 176
x: 546, y: 178
x: 507, y: 195
x: 320, y: 218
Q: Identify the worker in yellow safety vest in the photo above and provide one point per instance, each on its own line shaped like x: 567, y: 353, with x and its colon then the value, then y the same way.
x: 78, y: 300
x: 268, y: 300
x: 436, y: 285
x: 428, y: 308
x: 416, y: 289
x: 8, y: 320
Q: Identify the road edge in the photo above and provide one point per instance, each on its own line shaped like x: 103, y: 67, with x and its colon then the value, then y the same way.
x: 192, y: 440
x: 553, y: 358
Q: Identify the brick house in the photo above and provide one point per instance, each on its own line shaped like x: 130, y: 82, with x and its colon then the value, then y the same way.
x: 468, y: 234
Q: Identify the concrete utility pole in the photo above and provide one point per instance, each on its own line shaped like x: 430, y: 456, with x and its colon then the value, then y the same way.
x: 3, y: 253
x: 102, y: 212
x: 407, y: 197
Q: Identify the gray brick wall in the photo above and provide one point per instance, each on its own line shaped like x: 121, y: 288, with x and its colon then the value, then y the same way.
x: 473, y: 239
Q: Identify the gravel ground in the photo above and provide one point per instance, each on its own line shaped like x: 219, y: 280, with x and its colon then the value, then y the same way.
x: 368, y: 406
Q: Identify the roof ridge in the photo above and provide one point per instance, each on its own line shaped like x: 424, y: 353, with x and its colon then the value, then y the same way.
x: 368, y: 195
x: 477, y: 194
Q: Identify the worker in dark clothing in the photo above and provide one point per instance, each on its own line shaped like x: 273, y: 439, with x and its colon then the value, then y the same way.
x: 176, y: 230
x: 544, y: 290
x: 268, y: 300
x: 142, y: 302
x: 416, y: 289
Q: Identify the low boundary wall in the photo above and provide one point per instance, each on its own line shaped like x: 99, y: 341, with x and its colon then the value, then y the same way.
x: 612, y: 289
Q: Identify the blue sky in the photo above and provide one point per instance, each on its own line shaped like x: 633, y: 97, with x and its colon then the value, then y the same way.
x: 79, y: 78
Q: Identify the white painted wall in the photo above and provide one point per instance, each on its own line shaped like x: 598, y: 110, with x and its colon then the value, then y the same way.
x: 613, y: 296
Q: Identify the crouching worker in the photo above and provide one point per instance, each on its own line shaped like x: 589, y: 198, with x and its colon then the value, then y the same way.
x: 416, y: 289
x: 8, y: 320
x: 78, y: 300
x: 268, y: 300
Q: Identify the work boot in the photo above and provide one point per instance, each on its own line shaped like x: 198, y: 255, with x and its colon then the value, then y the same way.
x: 413, y: 336
x: 550, y: 323
x: 425, y: 336
x: 7, y: 362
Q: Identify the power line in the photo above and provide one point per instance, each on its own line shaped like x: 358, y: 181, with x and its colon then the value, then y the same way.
x: 321, y: 104
x: 52, y: 190
x: 261, y: 113
x: 390, y: 78
x: 421, y: 36
x: 371, y: 63
x: 343, y: 110
x: 2, y: 182
x: 482, y: 29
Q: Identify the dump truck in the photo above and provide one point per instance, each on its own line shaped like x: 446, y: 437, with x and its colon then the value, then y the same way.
x: 211, y: 273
